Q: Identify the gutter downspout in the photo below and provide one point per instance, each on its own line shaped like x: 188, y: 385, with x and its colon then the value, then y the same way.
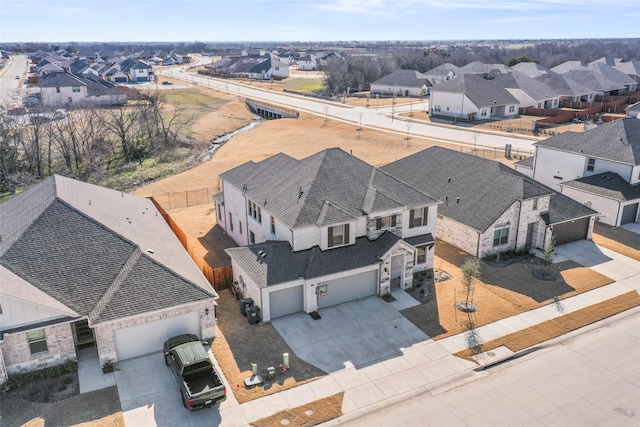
x: 518, y: 223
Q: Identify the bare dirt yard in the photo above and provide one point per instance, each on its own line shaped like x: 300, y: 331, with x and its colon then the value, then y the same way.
x: 617, y: 239
x: 311, y: 414
x: 240, y: 344
x: 499, y: 292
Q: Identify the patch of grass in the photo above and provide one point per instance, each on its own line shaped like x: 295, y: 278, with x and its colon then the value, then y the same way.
x: 554, y: 328
x: 311, y: 414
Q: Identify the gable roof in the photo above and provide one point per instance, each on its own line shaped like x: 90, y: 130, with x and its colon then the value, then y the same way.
x: 480, y: 91
x: 100, y: 252
x: 595, y: 80
x: 531, y: 87
x: 531, y: 69
x: 629, y: 68
x: 618, y: 141
x: 60, y: 79
x: 280, y: 264
x: 328, y: 187
x: 563, y: 85
x: 485, y: 188
x: 404, y: 78
x: 443, y: 70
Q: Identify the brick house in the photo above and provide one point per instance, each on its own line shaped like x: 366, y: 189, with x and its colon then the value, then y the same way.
x: 488, y: 207
x: 323, y: 230
x: 82, y: 265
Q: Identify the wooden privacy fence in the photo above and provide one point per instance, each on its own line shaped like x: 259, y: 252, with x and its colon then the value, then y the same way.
x: 185, y: 199
x: 219, y: 278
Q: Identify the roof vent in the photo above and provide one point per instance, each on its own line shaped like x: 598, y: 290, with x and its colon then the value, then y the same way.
x: 300, y: 193
x: 150, y: 250
x: 449, y: 180
x: 262, y: 254
x: 457, y: 200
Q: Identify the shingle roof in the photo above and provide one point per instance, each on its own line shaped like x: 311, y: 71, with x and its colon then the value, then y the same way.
x: 282, y: 265
x: 594, y: 80
x: 75, y: 241
x: 607, y: 184
x: 328, y: 187
x: 444, y: 69
x: 629, y: 68
x: 60, y: 79
x: 563, y: 85
x: 527, y: 163
x: 531, y: 87
x: 531, y: 69
x: 482, y: 92
x: 563, y: 209
x: 618, y: 141
x: 486, y: 188
x: 404, y: 78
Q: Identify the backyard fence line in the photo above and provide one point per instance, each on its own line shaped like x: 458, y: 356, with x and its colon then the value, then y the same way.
x: 185, y: 199
x: 219, y: 278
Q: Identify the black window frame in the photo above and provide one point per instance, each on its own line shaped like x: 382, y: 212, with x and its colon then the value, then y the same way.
x: 424, y: 219
x: 345, y: 238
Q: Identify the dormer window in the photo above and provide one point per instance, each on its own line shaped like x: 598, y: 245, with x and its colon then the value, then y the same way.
x: 591, y: 164
x: 418, y: 217
x: 338, y: 235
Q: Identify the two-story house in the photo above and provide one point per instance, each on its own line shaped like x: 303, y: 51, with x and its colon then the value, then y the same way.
x: 488, y: 207
x: 323, y: 230
x: 599, y: 168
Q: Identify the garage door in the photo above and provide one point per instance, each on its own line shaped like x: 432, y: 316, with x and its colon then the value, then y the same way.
x: 285, y: 301
x: 571, y: 231
x: 149, y: 337
x: 350, y: 288
x: 629, y: 214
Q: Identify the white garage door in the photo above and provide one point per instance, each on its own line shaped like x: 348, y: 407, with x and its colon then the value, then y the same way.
x: 149, y: 337
x: 350, y: 288
x: 286, y: 301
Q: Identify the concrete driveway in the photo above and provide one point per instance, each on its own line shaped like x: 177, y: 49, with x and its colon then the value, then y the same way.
x: 349, y: 335
x: 149, y: 396
x: 600, y: 259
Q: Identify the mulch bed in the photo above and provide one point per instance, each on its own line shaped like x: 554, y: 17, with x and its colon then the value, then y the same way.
x: 311, y: 414
x: 554, y: 328
x: 240, y: 344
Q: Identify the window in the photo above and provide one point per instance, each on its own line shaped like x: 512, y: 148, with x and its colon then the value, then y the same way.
x: 255, y: 211
x: 512, y: 108
x: 535, y: 204
x: 418, y: 217
x: 385, y: 222
x: 591, y: 164
x: 75, y: 89
x: 483, y: 113
x: 240, y: 226
x: 37, y: 341
x: 219, y: 213
x: 273, y: 225
x: 57, y: 90
x: 421, y: 254
x: 252, y: 238
x: 338, y: 235
x: 501, y: 236
x: 230, y: 222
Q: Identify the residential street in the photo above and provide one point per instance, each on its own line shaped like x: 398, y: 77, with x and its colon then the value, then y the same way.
x: 587, y: 378
x: 370, y: 118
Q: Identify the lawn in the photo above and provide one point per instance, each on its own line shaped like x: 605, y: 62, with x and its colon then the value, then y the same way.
x: 499, y: 292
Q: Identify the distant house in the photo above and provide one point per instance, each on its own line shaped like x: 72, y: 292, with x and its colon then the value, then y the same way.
x: 631, y: 69
x: 598, y: 76
x: 488, y: 71
x: 531, y: 69
x: 64, y: 89
x: 269, y: 69
x: 323, y: 230
x: 472, y: 97
x: 309, y: 62
x: 529, y: 92
x: 599, y: 168
x: 488, y: 207
x: 566, y: 88
x: 402, y: 83
x: 85, y: 266
x: 443, y: 73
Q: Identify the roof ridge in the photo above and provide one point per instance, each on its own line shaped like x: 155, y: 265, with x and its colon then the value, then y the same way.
x: 100, y: 306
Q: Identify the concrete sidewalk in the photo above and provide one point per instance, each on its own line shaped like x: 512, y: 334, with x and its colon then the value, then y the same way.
x: 429, y: 365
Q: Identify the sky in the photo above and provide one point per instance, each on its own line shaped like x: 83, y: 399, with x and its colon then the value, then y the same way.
x: 314, y: 20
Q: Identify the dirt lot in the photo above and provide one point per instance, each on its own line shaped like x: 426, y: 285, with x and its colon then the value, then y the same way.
x: 500, y: 292
x: 241, y: 344
x: 308, y: 415
x: 617, y: 239
x: 100, y: 408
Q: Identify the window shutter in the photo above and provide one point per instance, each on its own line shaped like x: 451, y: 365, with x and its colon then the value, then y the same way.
x: 411, y: 215
x: 346, y: 233
x: 330, y: 237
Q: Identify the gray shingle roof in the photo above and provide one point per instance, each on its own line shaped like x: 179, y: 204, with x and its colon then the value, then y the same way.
x: 444, y: 69
x: 534, y: 89
x: 328, y: 187
x: 281, y: 264
x: 527, y: 163
x: 60, y: 79
x: 72, y: 239
x: 563, y: 209
x: 607, y: 184
x: 563, y: 85
x: 531, y: 69
x: 594, y: 80
x: 486, y: 188
x: 618, y: 141
x: 629, y: 68
x: 404, y: 78
x: 482, y: 92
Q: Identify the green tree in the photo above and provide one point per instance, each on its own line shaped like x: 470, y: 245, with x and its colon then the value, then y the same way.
x: 470, y: 270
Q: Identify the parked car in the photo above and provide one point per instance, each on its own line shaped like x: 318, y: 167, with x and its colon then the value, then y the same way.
x: 17, y: 77
x: 59, y: 114
x: 200, y: 383
x: 167, y: 83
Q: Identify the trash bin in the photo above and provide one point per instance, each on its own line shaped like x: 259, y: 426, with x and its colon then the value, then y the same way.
x: 253, y: 314
x: 244, y: 304
x: 271, y: 373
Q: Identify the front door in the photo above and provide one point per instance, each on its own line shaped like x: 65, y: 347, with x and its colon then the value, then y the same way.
x: 83, y: 334
x: 397, y: 271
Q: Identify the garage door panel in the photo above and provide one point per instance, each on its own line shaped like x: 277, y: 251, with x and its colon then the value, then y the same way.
x: 350, y: 288
x: 285, y: 301
x: 629, y: 214
x: 571, y: 231
x: 149, y: 337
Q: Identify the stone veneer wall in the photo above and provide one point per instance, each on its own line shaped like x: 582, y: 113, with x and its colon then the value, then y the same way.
x: 458, y: 235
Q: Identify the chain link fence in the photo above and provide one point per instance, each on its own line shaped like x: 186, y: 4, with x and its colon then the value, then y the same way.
x: 185, y: 199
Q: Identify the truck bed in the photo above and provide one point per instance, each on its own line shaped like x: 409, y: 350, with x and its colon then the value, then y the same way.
x: 202, y: 384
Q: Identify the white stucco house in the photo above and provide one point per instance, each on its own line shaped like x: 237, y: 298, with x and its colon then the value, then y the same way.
x: 68, y: 90
x: 269, y: 69
x: 488, y: 207
x: 323, y: 230
x: 472, y: 97
x: 528, y: 91
x: 402, y: 83
x: 84, y: 266
x: 599, y: 168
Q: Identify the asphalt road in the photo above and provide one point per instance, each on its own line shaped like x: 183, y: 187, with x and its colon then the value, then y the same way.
x: 581, y: 379
x: 369, y: 118
x: 8, y: 82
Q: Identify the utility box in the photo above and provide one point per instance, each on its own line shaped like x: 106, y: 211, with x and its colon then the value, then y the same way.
x: 253, y: 314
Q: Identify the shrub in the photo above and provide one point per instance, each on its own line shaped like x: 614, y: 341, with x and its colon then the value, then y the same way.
x: 108, y: 366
